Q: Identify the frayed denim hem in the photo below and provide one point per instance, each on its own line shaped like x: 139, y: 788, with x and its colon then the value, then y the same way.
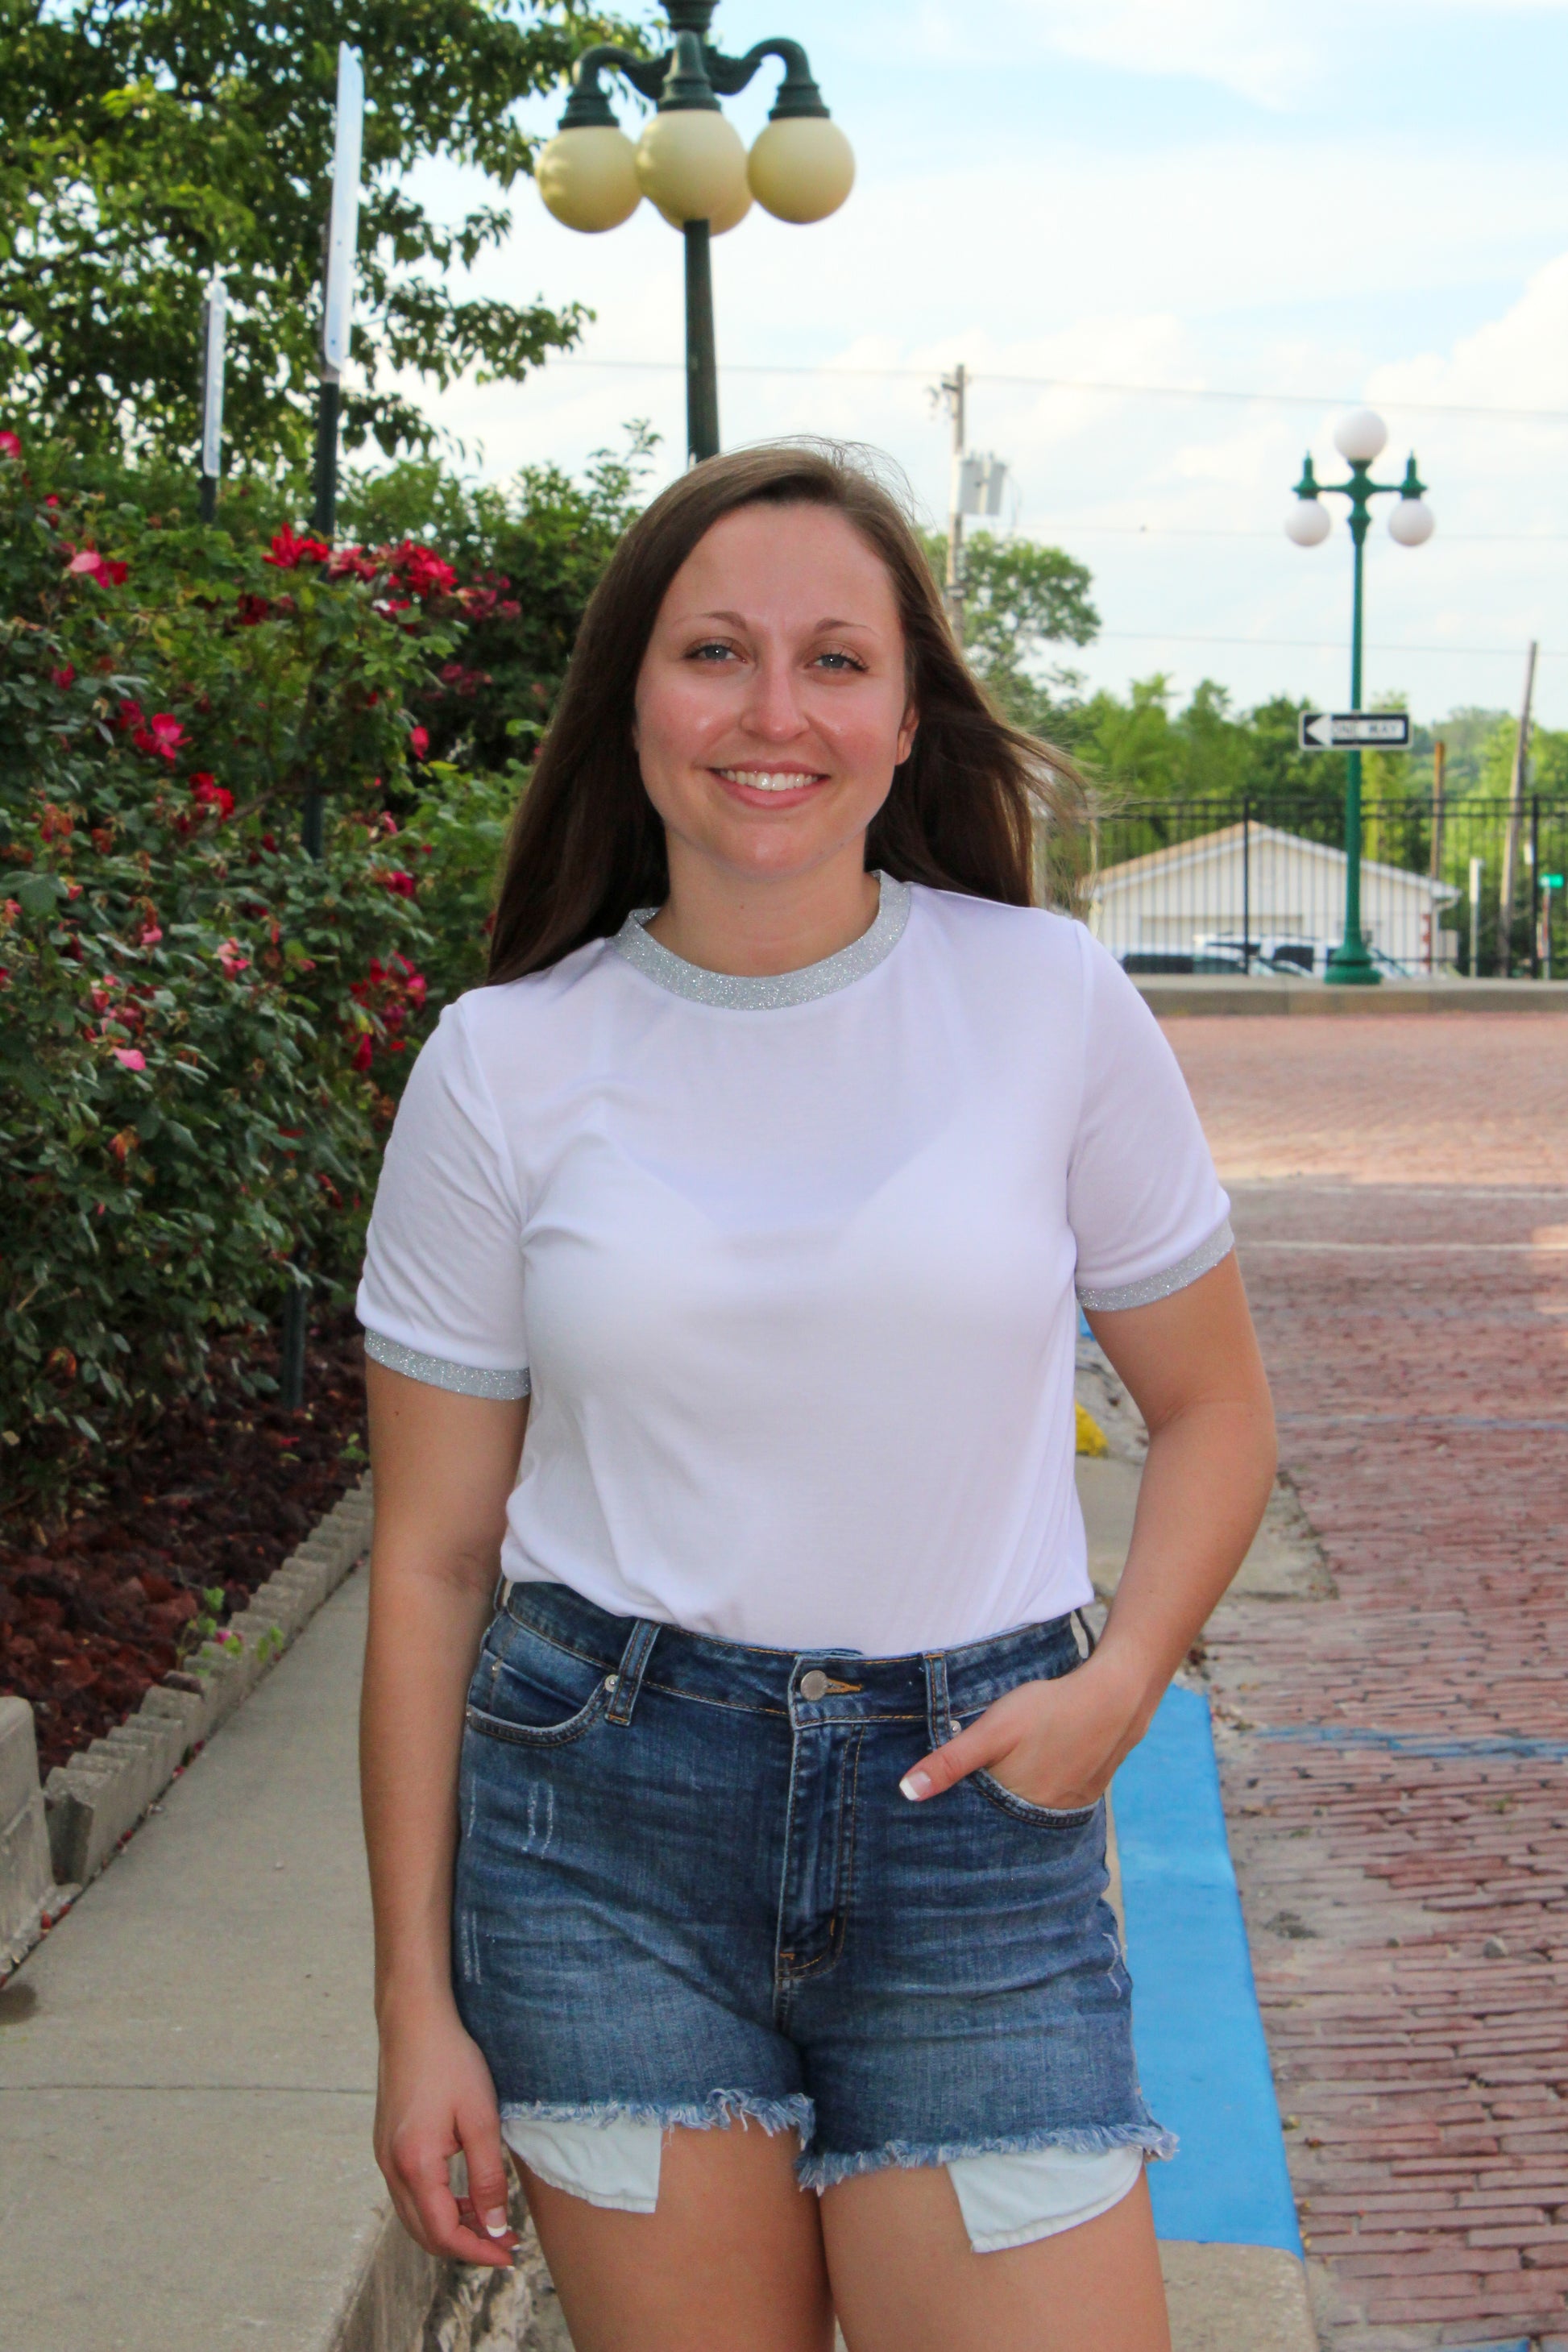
x: 721, y: 2108
x: 820, y: 2172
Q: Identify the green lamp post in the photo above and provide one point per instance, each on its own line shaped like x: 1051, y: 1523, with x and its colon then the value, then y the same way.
x: 690, y: 163
x: 1361, y: 439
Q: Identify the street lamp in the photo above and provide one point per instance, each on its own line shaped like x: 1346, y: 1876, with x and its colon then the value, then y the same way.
x: 1361, y: 439
x: 690, y: 163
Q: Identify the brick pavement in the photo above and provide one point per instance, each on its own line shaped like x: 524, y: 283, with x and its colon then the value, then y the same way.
x: 1396, y: 1759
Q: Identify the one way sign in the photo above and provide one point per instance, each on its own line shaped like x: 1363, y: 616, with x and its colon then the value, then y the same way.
x: 1342, y: 730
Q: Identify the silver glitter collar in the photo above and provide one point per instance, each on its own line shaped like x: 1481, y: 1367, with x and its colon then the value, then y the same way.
x: 771, y: 990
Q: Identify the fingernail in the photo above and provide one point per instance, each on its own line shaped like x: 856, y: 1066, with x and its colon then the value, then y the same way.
x: 496, y: 2224
x: 915, y: 1785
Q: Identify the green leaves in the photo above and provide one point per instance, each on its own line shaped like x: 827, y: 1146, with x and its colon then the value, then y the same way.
x: 144, y: 141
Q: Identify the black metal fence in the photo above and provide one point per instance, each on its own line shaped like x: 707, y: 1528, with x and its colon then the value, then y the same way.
x: 1472, y: 889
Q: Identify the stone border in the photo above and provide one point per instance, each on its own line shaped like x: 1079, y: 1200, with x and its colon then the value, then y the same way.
x: 53, y: 1841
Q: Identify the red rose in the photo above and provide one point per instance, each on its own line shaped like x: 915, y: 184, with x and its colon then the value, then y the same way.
x: 419, y: 741
x: 362, y: 1053
x: 289, y: 551
x: 230, y: 958
x: 10, y: 444
x: 400, y: 883
x: 63, y: 676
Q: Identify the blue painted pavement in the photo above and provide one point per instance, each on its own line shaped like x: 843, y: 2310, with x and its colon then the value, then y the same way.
x: 1201, y: 2051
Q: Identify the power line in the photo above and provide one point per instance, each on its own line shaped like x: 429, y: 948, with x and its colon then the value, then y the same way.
x: 1306, y: 645
x: 1104, y: 389
x: 1187, y: 530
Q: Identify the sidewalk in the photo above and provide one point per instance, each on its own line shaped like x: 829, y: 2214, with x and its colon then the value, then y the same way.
x: 186, y: 2073
x: 186, y: 2065
x: 1395, y: 1757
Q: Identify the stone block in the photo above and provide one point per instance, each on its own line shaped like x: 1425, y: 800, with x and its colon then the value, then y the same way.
x: 26, y: 1873
x: 18, y: 1757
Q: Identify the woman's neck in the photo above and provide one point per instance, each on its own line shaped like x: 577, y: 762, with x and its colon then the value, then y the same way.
x: 756, y: 925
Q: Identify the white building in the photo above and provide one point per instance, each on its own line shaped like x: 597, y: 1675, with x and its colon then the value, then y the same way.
x: 1277, y: 886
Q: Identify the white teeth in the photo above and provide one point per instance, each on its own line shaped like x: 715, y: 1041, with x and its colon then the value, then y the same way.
x: 759, y: 784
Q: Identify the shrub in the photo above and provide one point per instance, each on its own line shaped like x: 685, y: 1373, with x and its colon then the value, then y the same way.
x: 200, y: 1026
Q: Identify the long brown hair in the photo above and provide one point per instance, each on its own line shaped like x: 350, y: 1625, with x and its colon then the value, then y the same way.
x: 966, y: 809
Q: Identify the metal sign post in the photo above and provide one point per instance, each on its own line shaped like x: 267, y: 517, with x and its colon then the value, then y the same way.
x: 337, y: 312
x: 215, y: 322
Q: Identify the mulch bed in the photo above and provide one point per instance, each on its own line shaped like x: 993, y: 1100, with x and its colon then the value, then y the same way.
x: 91, y: 1618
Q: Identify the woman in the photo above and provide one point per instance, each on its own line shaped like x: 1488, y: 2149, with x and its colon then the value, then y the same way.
x: 750, y: 1884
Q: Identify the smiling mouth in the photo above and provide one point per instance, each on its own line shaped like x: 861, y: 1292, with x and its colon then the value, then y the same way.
x: 759, y: 779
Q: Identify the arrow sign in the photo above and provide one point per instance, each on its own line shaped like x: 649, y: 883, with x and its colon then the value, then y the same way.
x: 1340, y: 730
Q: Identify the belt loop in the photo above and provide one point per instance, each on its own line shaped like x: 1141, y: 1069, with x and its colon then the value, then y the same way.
x: 1087, y: 1630
x: 633, y: 1665
x: 940, y: 1724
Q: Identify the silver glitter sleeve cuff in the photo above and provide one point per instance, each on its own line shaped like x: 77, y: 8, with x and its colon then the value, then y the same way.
x: 438, y: 1372
x: 1153, y: 1286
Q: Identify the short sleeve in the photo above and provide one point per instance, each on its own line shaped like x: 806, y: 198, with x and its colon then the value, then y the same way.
x: 1145, y: 1206
x: 441, y: 1298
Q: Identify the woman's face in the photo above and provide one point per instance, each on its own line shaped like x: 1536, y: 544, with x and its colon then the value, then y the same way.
x: 771, y: 706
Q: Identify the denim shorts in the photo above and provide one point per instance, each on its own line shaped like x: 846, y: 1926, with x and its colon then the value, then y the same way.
x: 688, y: 1890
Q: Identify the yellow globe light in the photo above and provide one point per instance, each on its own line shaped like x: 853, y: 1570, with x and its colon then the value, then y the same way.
x: 731, y: 219
x: 690, y: 161
x: 588, y: 178
x: 801, y: 168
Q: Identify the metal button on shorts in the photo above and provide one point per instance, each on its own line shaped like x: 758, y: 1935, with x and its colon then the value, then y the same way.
x: 814, y: 1686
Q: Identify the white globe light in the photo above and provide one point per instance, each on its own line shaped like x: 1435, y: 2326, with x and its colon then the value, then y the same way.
x: 691, y: 162
x: 588, y: 178
x: 801, y: 168
x: 1361, y: 436
x: 1308, y: 522
x: 1411, y: 521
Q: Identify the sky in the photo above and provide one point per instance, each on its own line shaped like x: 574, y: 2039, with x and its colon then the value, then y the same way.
x: 1326, y: 203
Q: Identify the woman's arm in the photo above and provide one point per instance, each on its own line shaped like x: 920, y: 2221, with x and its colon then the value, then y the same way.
x: 1192, y: 1365
x: 443, y: 1468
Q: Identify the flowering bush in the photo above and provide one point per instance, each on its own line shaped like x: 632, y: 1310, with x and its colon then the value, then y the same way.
x: 201, y: 1027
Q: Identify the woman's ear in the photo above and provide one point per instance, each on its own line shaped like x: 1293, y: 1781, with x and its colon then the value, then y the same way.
x: 909, y: 727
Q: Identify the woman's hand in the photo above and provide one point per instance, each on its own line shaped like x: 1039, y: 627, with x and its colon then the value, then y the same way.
x: 1054, y: 1744
x: 435, y: 2099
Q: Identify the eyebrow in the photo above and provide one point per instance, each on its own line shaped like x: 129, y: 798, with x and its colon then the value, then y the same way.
x: 831, y: 622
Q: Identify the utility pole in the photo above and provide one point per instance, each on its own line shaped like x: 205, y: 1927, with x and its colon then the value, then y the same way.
x: 1508, y: 887
x: 953, y: 388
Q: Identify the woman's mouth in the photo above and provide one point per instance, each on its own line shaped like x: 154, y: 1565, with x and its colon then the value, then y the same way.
x: 773, y: 783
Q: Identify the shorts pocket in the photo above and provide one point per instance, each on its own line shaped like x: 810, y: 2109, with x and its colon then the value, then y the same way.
x: 1045, y: 1817
x: 529, y: 1692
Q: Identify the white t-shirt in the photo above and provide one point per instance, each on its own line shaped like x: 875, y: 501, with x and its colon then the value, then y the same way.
x: 789, y: 1264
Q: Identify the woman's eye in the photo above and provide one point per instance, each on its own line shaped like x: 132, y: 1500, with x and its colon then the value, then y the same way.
x: 838, y: 661
x: 713, y: 650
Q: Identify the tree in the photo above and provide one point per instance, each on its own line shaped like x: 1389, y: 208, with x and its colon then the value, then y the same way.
x: 1019, y: 600
x: 144, y: 141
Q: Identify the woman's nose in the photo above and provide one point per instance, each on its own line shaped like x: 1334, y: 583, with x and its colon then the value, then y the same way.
x: 773, y: 706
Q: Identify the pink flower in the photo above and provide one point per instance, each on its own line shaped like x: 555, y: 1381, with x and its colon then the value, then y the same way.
x: 131, y: 1057
x: 10, y: 444
x: 151, y: 934
x: 419, y: 741
x: 63, y: 676
x: 91, y: 565
x: 162, y: 734
x: 229, y: 957
x: 400, y: 883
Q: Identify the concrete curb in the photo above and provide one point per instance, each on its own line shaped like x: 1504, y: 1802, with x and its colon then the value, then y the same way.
x: 54, y: 1840
x: 1170, y: 997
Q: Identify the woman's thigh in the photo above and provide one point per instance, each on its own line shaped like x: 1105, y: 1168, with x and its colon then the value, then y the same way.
x: 731, y: 2260
x: 905, y: 2278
